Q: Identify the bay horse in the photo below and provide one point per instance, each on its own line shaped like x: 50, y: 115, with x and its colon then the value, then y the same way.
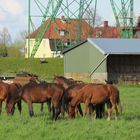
x: 96, y: 94
x: 71, y: 89
x: 41, y: 93
x: 68, y: 84
x: 69, y: 94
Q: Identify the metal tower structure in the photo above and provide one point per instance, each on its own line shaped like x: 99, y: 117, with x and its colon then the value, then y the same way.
x: 68, y: 11
x: 123, y: 12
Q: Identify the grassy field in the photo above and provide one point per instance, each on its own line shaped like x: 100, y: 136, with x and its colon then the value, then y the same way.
x: 45, y: 71
x: 39, y: 127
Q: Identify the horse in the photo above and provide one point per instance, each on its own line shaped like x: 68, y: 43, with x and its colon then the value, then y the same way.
x: 41, y: 93
x: 12, y: 98
x: 69, y: 94
x: 71, y: 89
x: 68, y: 84
x: 4, y: 90
x: 96, y: 94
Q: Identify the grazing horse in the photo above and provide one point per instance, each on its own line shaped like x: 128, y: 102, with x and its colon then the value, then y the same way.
x: 12, y: 98
x: 68, y: 85
x: 41, y: 93
x: 4, y: 90
x: 71, y: 89
x: 69, y: 94
x: 96, y: 94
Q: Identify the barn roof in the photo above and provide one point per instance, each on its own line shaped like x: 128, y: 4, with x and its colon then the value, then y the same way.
x: 116, y: 46
x: 112, y: 46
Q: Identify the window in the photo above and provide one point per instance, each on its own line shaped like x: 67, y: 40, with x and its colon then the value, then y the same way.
x: 62, y: 32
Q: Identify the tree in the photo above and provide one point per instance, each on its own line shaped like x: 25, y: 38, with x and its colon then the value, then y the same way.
x: 5, y: 37
x: 93, y: 18
x: 5, y: 40
x: 17, y: 47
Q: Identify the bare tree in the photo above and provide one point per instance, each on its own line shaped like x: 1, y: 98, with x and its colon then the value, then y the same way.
x: 23, y: 35
x: 5, y: 40
x: 92, y: 17
x: 5, y: 37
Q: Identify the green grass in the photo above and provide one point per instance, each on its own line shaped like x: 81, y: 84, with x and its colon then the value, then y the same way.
x: 20, y: 127
x: 41, y: 126
x: 46, y: 71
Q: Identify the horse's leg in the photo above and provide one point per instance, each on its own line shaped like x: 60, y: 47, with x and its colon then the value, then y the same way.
x: 19, y: 106
x: 0, y: 107
x: 53, y: 112
x: 49, y: 105
x: 31, y: 113
x: 109, y: 110
x: 80, y: 109
x: 86, y: 107
x: 57, y: 112
x: 41, y: 109
x: 91, y: 110
x: 100, y: 110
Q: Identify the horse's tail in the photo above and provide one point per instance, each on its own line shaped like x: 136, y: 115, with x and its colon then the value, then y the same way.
x: 65, y: 100
x: 119, y: 103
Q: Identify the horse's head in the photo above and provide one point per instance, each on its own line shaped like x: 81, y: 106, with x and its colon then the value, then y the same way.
x: 10, y: 106
x: 12, y: 98
x: 61, y: 80
x: 71, y: 111
x: 56, y: 79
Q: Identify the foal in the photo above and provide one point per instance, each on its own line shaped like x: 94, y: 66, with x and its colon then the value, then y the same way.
x: 96, y: 94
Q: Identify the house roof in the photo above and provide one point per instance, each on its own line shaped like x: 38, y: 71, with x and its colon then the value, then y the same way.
x: 106, y: 32
x: 69, y: 26
x: 112, y: 46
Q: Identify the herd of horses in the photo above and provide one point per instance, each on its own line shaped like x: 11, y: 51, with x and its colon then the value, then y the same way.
x: 62, y: 96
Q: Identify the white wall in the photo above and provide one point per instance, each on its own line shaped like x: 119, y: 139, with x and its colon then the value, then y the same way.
x: 43, y: 51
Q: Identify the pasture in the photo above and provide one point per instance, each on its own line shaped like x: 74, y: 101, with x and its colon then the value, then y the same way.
x: 46, y: 71
x: 42, y: 127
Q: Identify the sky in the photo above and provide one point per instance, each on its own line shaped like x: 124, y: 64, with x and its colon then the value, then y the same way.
x: 14, y: 14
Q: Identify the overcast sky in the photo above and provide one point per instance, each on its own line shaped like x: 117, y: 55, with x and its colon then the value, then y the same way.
x: 14, y: 13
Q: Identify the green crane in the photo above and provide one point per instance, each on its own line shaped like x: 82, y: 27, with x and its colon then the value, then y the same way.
x: 68, y: 11
x: 123, y: 12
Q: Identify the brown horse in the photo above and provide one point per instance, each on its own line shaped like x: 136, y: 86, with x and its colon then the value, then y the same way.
x: 69, y: 94
x: 12, y: 98
x: 69, y: 84
x: 96, y: 94
x: 41, y: 93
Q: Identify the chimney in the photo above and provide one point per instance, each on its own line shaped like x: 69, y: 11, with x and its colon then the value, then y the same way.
x: 63, y: 17
x: 105, y: 23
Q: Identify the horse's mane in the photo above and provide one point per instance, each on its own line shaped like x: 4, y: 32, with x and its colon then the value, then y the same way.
x: 67, y: 81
